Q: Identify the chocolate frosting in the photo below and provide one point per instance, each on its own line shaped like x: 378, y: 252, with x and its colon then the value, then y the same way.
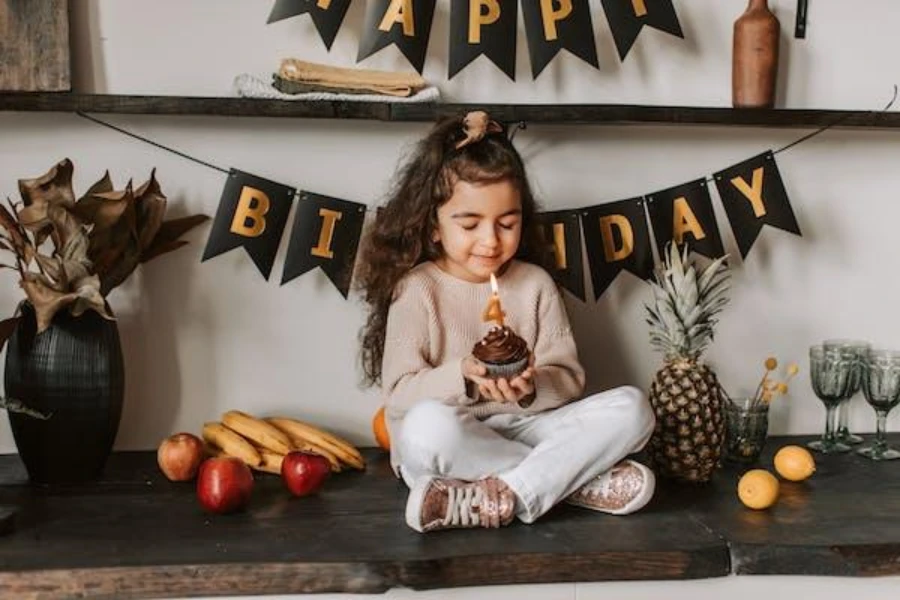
x: 500, y: 346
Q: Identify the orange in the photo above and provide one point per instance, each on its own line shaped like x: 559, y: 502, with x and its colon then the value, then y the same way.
x: 379, y: 428
x: 794, y: 463
x: 758, y: 489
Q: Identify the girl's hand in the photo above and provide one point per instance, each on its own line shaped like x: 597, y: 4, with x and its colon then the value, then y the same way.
x: 473, y: 369
x: 500, y: 390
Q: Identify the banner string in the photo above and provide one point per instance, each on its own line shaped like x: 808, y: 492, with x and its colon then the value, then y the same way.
x: 836, y: 123
x: 151, y: 142
x: 516, y: 128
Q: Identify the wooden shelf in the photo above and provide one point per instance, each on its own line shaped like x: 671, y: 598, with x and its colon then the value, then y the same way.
x: 133, y: 534
x: 575, y: 114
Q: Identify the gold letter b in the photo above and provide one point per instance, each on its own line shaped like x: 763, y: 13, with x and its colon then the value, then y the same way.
x: 252, y: 206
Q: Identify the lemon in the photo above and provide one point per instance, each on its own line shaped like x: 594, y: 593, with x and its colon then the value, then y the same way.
x: 794, y: 463
x: 758, y: 489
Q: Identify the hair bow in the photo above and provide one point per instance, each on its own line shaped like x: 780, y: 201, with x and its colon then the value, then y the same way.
x: 476, y: 125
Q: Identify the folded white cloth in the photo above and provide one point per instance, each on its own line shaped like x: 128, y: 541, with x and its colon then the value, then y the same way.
x: 250, y: 86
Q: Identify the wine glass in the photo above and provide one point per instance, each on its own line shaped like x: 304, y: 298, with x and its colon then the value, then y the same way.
x: 831, y: 375
x: 881, y: 388
x: 842, y: 431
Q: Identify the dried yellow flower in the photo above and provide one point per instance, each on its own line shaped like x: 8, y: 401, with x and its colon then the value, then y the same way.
x: 782, y: 388
x: 771, y: 363
x: 792, y: 369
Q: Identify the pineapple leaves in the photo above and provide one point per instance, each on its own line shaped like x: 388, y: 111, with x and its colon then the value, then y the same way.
x: 681, y: 320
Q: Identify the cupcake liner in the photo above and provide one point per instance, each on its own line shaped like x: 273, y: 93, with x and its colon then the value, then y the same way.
x: 507, y: 370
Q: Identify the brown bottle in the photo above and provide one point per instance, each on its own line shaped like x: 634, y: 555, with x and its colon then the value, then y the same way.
x: 755, y: 57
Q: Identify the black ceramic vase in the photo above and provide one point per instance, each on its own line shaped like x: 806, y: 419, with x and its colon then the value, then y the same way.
x: 74, y: 372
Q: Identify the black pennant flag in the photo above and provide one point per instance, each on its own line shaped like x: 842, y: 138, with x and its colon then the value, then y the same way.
x: 327, y: 15
x: 483, y: 27
x: 325, y: 234
x: 627, y: 18
x: 616, y: 237
x: 685, y: 214
x: 406, y: 23
x: 252, y: 213
x: 753, y: 195
x: 551, y: 26
x: 562, y: 230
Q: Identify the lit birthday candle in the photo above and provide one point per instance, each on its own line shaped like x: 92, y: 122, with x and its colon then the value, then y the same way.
x: 494, y: 311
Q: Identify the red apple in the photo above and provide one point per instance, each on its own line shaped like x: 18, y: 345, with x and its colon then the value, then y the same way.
x: 179, y: 456
x: 304, y: 472
x: 224, y: 484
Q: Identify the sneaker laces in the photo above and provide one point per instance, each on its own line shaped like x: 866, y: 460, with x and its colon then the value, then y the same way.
x: 460, y: 506
x: 473, y: 504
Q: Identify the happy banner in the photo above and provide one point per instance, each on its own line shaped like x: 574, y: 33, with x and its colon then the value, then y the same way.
x: 488, y: 27
x: 326, y: 231
x: 327, y: 15
x: 552, y: 26
x: 628, y: 17
x: 404, y: 23
x: 483, y: 27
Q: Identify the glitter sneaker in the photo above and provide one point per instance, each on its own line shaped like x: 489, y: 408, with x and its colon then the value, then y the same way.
x: 624, y: 489
x: 436, y: 503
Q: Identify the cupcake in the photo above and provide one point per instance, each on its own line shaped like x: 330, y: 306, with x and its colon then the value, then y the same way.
x: 503, y: 352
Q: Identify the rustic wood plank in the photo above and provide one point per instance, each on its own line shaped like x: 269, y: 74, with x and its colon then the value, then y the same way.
x: 7, y: 514
x: 134, y: 535
x: 34, y: 45
x: 611, y: 114
x: 566, y: 114
x: 842, y: 521
x: 176, y: 105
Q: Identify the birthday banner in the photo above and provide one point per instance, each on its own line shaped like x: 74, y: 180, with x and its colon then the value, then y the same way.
x: 488, y: 27
x: 618, y: 236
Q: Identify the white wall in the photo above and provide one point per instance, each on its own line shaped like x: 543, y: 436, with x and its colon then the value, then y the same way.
x: 203, y: 338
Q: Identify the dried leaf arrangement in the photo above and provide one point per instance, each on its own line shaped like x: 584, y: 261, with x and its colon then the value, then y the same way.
x: 70, y: 253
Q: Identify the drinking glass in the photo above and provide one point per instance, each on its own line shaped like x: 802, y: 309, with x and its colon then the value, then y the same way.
x: 746, y: 429
x: 881, y: 389
x: 831, y: 375
x: 842, y: 431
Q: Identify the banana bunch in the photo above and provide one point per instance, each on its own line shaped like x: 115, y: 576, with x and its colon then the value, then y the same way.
x: 263, y: 443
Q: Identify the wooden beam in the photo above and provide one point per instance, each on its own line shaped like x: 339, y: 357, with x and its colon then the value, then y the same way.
x: 568, y: 114
x: 34, y: 45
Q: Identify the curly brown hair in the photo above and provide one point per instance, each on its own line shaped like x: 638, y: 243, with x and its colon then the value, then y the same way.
x: 401, y: 236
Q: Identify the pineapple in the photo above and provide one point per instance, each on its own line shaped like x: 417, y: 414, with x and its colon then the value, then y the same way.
x: 685, y: 393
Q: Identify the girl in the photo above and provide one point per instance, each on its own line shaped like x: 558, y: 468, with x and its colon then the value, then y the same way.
x: 462, y: 210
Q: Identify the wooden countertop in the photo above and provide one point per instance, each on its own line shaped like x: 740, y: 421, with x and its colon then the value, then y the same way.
x: 136, y: 535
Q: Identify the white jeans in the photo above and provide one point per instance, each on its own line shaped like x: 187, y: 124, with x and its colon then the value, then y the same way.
x: 542, y: 457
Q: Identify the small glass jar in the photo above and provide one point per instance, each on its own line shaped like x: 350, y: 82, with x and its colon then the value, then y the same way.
x: 747, y: 427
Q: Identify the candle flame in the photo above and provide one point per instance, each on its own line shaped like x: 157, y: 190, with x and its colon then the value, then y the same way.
x: 494, y: 284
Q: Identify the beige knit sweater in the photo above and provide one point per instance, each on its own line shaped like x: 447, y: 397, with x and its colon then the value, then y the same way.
x: 435, y: 319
